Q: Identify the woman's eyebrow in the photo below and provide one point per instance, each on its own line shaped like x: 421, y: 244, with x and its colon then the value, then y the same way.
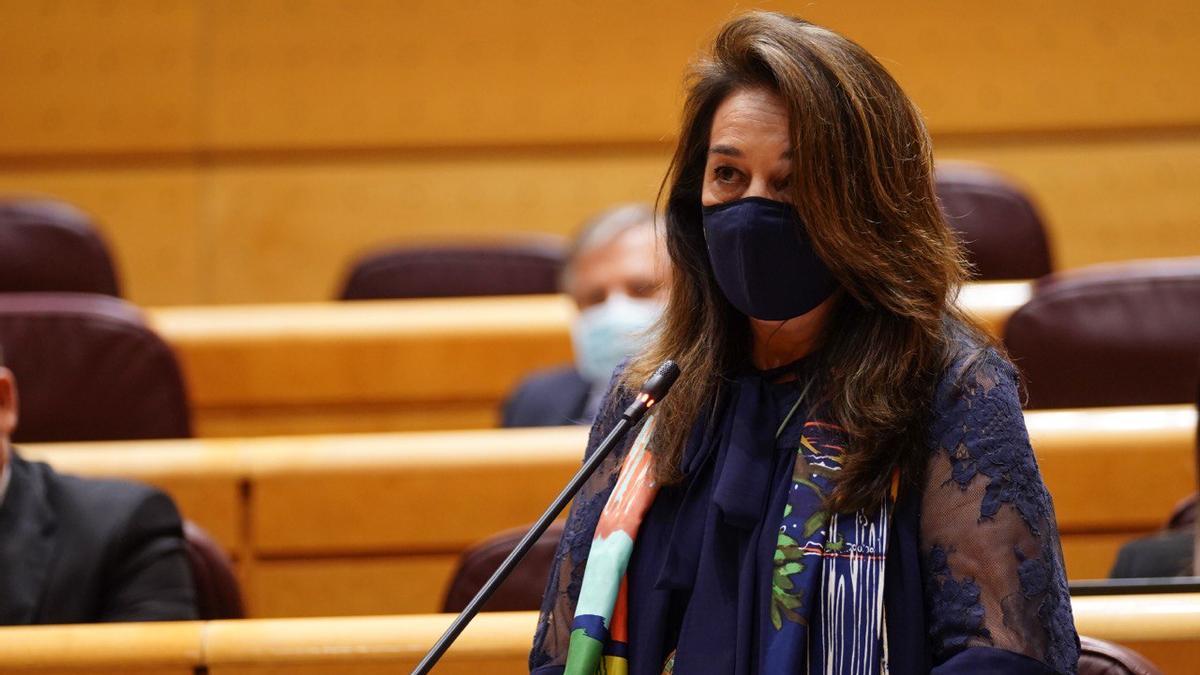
x: 730, y: 151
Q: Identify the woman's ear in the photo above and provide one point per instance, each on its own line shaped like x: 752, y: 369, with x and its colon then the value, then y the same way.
x: 8, y: 404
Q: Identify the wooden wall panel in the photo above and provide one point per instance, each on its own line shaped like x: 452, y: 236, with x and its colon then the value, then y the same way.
x: 433, y: 492
x: 149, y: 216
x: 1091, y: 556
x: 316, y: 129
x: 356, y: 586
x: 253, y: 232
x: 93, y: 76
x: 1026, y: 65
x: 431, y: 73
x: 289, y: 232
x: 1105, y: 199
x: 381, y: 73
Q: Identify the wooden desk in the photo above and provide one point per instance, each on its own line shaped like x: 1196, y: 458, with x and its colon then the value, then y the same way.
x: 493, y: 643
x: 374, y: 523
x: 174, y: 648
x: 1164, y: 628
x: 399, y: 365
x: 361, y: 366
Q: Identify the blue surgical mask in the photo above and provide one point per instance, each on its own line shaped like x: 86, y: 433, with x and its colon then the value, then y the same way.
x: 763, y: 262
x: 604, y: 335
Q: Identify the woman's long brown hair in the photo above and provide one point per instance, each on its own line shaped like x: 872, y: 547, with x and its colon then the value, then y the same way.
x: 864, y: 188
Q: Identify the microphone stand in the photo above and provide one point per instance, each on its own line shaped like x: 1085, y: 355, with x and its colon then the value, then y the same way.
x: 653, y: 391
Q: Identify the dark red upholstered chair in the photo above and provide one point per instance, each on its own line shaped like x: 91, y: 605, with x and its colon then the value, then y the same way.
x: 49, y: 245
x: 89, y: 369
x: 1098, y: 657
x: 522, y: 590
x: 218, y: 595
x: 998, y: 224
x: 525, y: 266
x: 1111, y: 335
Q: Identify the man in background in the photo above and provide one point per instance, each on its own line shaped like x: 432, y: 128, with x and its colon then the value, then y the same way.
x: 616, y: 272
x: 76, y: 550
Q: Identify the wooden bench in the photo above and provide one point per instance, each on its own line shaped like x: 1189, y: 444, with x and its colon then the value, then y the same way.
x: 343, y: 367
x: 374, y: 523
x: 1165, y: 628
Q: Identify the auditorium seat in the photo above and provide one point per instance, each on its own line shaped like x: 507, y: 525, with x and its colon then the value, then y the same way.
x: 49, y: 245
x: 1001, y: 230
x: 1110, y: 335
x: 511, y: 267
x: 88, y: 369
x: 218, y: 595
x: 1099, y: 657
x: 522, y: 590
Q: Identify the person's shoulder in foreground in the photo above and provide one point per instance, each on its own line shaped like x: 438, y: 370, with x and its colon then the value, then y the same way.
x: 1162, y: 554
x: 552, y: 397
x: 995, y: 585
x: 78, y: 550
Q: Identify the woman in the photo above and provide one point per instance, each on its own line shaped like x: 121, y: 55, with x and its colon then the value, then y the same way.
x: 841, y: 480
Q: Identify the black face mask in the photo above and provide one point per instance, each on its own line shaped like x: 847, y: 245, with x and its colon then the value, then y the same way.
x: 763, y: 263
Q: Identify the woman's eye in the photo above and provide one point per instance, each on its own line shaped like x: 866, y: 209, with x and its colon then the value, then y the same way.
x: 783, y: 185
x: 726, y: 174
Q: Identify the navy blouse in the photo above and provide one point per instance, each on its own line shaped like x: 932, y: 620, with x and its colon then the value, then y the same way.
x: 974, y: 572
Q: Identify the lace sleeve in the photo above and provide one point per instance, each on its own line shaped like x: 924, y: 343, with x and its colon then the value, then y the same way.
x: 992, y: 561
x: 549, y: 652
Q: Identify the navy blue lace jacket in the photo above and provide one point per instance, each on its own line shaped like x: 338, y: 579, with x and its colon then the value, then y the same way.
x: 974, y: 577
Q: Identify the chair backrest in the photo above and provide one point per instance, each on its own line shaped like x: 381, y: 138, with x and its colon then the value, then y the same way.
x: 48, y: 245
x: 520, y: 267
x: 218, y: 595
x: 1098, y: 657
x: 89, y: 369
x: 998, y: 224
x: 524, y: 587
x: 1110, y: 335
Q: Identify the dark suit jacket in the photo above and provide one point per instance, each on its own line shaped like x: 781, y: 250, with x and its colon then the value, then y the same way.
x: 548, y: 398
x: 1166, y: 554
x: 76, y: 550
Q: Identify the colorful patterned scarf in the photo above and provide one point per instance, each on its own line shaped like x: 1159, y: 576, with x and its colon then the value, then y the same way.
x: 826, y: 607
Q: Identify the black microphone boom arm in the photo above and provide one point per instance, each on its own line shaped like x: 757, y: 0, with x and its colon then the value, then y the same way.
x: 652, y: 392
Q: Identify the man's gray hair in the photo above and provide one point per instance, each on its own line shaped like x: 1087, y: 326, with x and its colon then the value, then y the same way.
x: 601, y: 230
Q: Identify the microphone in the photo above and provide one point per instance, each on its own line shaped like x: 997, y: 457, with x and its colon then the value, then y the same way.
x: 651, y: 392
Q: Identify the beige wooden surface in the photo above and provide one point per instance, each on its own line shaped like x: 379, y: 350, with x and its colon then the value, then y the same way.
x: 494, y: 643
x: 389, y: 365
x: 170, y: 648
x: 291, y: 138
x: 186, y: 75
x: 362, y: 366
x: 381, y: 518
x: 1164, y: 627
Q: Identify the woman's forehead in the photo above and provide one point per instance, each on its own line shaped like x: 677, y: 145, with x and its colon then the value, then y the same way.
x: 750, y: 120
